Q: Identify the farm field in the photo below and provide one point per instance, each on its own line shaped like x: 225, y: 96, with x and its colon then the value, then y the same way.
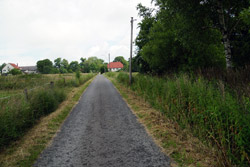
x: 24, y: 99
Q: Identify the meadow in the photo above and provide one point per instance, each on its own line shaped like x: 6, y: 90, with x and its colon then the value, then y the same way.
x: 20, y: 111
x: 214, y: 110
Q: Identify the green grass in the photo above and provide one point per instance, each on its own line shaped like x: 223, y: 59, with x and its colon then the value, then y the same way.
x: 209, y: 109
x: 18, y: 114
x: 53, y: 125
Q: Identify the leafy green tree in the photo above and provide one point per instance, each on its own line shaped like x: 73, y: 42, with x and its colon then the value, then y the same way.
x: 104, y: 68
x: 60, y: 65
x: 2, y: 66
x: 45, y: 66
x: 58, y: 62
x: 245, y: 16
x: 82, y: 64
x: 65, y: 64
x: 223, y: 16
x: 93, y: 64
x: 15, y: 71
x: 74, y: 66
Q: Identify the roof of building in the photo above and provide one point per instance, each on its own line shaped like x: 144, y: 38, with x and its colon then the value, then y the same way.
x: 14, y: 65
x: 28, y: 68
x: 115, y: 65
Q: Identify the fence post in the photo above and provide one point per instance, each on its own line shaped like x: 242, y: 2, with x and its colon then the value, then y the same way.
x: 26, y: 94
x: 51, y: 84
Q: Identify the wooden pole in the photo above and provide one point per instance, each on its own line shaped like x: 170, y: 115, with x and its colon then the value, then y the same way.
x: 26, y: 94
x: 51, y: 84
x: 131, y: 50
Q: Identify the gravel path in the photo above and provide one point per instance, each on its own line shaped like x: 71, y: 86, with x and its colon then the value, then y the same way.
x: 102, y: 131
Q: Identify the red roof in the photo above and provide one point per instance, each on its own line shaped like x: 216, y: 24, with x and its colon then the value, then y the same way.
x: 15, y: 66
x: 115, y: 65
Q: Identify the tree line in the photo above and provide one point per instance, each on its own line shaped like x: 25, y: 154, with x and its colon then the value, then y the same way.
x: 59, y: 65
x: 182, y: 35
x: 92, y: 64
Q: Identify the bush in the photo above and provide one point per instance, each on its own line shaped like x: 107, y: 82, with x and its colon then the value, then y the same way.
x: 110, y: 74
x: 123, y: 78
x: 208, y: 108
x: 44, y: 102
x: 14, y: 121
x: 15, y: 72
x: 78, y: 75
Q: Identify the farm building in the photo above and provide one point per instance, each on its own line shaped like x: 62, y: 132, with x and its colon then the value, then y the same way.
x: 29, y: 69
x: 9, y: 67
x: 115, y: 66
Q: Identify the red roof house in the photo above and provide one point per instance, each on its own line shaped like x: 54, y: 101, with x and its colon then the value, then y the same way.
x: 115, y: 66
x: 9, y: 67
x: 15, y: 66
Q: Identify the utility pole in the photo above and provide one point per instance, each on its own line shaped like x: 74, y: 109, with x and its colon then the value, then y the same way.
x: 131, y: 50
x: 109, y: 63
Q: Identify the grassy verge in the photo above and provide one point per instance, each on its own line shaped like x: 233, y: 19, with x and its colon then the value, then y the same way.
x: 27, y: 149
x: 180, y: 145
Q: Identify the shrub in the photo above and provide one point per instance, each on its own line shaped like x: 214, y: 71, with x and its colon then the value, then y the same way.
x: 43, y: 102
x: 15, y: 72
x: 110, y: 74
x: 78, y: 75
x: 14, y: 121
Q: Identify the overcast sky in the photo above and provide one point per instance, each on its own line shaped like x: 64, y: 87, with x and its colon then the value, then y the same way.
x: 32, y: 30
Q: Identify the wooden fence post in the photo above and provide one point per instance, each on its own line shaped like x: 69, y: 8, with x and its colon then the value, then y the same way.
x: 26, y: 94
x: 51, y: 84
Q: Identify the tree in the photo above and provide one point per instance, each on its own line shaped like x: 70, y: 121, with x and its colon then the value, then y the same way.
x: 223, y: 16
x: 104, y: 68
x: 74, y: 66
x: 2, y: 66
x: 171, y: 41
x: 15, y: 71
x: 123, y: 61
x: 58, y: 62
x: 45, y: 66
x: 245, y: 16
x: 61, y: 65
x: 82, y: 64
x: 93, y: 64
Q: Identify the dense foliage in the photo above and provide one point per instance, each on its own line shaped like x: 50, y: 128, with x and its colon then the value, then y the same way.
x: 180, y: 35
x: 210, y: 109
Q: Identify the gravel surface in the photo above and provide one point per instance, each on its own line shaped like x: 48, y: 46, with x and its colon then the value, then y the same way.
x: 102, y: 131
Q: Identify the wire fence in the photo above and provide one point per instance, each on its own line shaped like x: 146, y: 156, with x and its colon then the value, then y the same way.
x: 26, y: 91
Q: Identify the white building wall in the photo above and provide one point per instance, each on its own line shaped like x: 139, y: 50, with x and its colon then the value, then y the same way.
x: 7, y: 68
x: 115, y: 69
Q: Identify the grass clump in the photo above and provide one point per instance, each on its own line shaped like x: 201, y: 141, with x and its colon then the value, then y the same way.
x: 15, y: 120
x: 209, y: 109
x: 110, y: 74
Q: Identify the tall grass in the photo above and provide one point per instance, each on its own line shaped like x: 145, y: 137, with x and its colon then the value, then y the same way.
x: 22, y: 81
x: 110, y: 74
x: 18, y: 114
x: 209, y: 109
